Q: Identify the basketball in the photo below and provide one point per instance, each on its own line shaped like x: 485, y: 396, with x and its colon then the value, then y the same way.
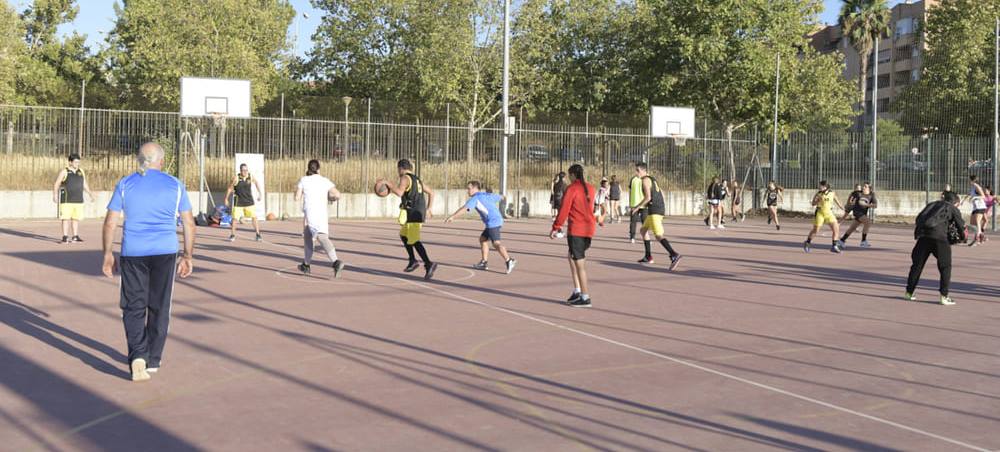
x: 381, y: 189
x: 271, y: 217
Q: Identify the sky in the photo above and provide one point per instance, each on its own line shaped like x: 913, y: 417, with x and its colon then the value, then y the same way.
x: 97, y: 17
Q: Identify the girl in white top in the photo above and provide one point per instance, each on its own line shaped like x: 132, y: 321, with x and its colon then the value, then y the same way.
x: 600, y: 201
x: 315, y: 192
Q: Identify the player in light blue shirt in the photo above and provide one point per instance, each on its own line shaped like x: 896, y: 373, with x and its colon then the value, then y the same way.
x: 486, y: 205
x: 151, y: 202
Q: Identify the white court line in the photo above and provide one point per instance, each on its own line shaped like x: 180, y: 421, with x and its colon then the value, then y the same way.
x: 704, y: 369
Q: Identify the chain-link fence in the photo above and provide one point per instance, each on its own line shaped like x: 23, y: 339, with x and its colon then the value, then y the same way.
x: 34, y: 143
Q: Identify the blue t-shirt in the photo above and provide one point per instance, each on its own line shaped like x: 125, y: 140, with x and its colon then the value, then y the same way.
x: 486, y: 204
x: 151, y: 204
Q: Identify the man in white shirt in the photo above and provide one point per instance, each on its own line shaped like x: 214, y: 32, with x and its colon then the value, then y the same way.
x: 315, y: 192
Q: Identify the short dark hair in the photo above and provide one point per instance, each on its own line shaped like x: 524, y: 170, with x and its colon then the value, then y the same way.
x: 313, y: 167
x: 74, y: 156
x: 243, y: 165
x: 950, y: 197
x: 972, y: 177
x: 404, y: 164
x: 641, y: 165
x: 824, y: 184
x: 476, y: 184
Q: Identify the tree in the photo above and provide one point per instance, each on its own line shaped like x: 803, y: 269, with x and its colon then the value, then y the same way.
x: 11, y: 50
x: 721, y: 59
x: 863, y: 22
x: 414, y: 51
x: 156, y: 42
x: 51, y: 69
x: 955, y: 90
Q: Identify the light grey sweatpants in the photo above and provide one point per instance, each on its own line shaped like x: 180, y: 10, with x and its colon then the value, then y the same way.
x: 309, y: 236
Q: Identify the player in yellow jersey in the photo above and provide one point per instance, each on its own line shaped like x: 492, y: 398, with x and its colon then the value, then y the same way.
x: 824, y: 201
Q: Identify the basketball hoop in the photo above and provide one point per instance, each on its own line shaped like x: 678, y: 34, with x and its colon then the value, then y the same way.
x: 679, y: 140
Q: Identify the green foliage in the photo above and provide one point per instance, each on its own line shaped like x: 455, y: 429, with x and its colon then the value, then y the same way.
x: 156, y: 42
x: 862, y: 22
x: 955, y: 91
x: 11, y: 51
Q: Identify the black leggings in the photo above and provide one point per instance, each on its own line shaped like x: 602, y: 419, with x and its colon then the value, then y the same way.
x: 146, y: 289
x: 637, y: 218
x: 924, y: 248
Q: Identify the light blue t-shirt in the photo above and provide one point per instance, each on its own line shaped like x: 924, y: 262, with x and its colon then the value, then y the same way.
x: 486, y: 204
x: 151, y: 204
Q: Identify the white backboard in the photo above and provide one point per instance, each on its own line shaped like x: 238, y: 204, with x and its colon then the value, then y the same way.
x: 206, y: 96
x: 255, y: 163
x: 671, y: 121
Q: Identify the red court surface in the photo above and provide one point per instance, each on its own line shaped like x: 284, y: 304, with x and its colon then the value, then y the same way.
x: 751, y: 345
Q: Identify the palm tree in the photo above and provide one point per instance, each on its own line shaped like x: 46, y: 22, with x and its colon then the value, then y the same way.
x: 864, y: 21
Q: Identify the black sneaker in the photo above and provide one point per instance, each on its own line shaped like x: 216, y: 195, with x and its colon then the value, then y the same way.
x: 806, y: 246
x: 510, y: 265
x: 305, y: 269
x: 675, y: 261
x: 232, y: 238
x: 777, y: 226
x: 430, y: 271
x: 413, y: 265
x: 835, y: 249
x: 646, y: 260
x: 574, y: 297
x: 65, y: 239
x: 77, y: 238
x: 706, y: 221
x: 768, y: 220
x: 338, y: 267
x: 259, y: 238
x: 580, y: 303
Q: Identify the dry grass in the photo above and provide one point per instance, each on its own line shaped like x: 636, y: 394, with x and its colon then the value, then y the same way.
x: 26, y: 172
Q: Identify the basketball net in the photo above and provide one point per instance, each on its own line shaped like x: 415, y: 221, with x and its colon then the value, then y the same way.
x: 219, y: 120
x: 679, y: 140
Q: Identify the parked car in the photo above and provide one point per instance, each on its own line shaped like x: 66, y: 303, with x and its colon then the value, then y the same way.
x: 570, y: 155
x: 537, y: 152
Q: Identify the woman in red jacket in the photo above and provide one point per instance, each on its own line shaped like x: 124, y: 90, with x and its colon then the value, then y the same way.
x: 577, y: 207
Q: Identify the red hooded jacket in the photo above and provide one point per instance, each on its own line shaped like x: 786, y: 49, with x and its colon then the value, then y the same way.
x: 578, y: 208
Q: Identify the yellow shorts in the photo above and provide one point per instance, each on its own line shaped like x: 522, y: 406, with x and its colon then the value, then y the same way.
x: 247, y: 211
x: 71, y: 211
x: 654, y: 224
x: 411, y: 232
x: 824, y: 218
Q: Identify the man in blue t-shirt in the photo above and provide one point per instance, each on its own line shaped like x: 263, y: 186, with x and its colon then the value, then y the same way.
x: 151, y: 202
x: 485, y: 204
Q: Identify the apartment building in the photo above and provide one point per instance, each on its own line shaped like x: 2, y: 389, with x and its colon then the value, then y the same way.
x: 900, y: 55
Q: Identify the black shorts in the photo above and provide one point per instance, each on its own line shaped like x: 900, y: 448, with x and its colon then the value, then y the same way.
x: 491, y: 234
x: 860, y: 216
x: 979, y: 212
x: 614, y: 198
x: 772, y: 203
x: 578, y: 247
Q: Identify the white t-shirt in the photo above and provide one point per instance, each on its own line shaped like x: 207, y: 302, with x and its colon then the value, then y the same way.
x: 315, y: 189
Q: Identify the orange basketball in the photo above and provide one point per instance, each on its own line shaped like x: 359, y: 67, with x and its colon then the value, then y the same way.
x: 271, y: 217
x: 381, y: 189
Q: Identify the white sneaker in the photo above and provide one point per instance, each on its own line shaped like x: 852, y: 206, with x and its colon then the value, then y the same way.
x: 865, y: 244
x: 139, y: 372
x: 722, y: 226
x: 946, y: 301
x: 712, y: 227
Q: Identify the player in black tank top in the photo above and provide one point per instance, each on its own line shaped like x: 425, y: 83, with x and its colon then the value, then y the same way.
x: 655, y: 207
x: 772, y: 197
x: 859, y: 205
x: 68, y: 192
x: 243, y: 204
x: 416, y: 202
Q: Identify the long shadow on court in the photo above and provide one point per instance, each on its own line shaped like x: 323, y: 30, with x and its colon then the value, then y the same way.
x: 32, y: 322
x: 71, y: 405
x: 29, y: 235
x: 833, y: 439
x: 626, y: 405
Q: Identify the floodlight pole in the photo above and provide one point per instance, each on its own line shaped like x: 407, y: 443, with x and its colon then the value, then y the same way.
x: 505, y: 141
x: 873, y: 167
x: 996, y: 113
x: 774, y: 142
